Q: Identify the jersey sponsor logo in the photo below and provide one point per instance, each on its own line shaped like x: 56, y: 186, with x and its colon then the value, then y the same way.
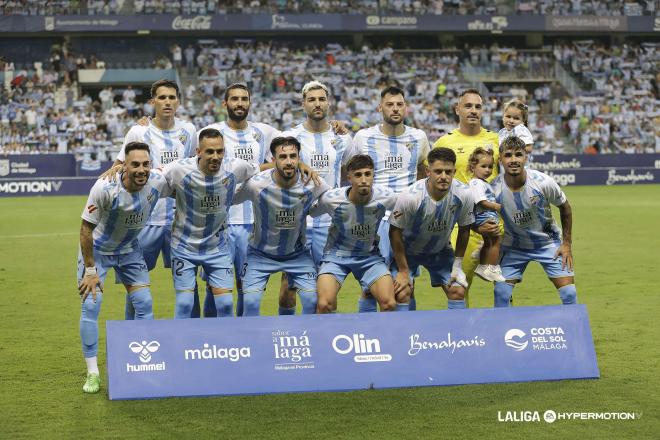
x: 522, y: 219
x: 361, y: 232
x: 438, y: 225
x: 285, y: 219
x: 134, y: 220
x: 144, y: 350
x: 393, y: 163
x: 320, y: 162
x: 210, y: 204
x: 245, y: 153
x: 168, y: 156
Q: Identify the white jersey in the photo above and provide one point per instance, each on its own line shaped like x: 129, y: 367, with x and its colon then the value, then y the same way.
x: 354, y: 227
x: 427, y: 223
x: 527, y: 215
x: 165, y: 146
x: 481, y: 190
x: 279, y: 213
x: 395, y: 157
x: 202, y: 202
x: 251, y: 145
x: 120, y: 215
x: 519, y: 131
x: 325, y: 153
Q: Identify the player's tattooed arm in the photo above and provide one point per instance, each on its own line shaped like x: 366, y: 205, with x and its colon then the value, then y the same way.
x: 90, y: 282
x: 566, y: 217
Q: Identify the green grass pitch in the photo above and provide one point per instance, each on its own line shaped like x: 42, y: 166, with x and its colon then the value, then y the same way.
x: 616, y: 248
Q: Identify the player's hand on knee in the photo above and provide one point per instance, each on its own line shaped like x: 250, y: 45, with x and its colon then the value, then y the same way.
x: 401, y: 282
x: 88, y: 285
x: 566, y: 256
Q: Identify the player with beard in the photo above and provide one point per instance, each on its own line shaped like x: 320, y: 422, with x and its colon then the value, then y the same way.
x: 113, y: 218
x: 169, y: 138
x: 530, y: 233
x: 280, y: 201
x: 325, y: 152
x: 469, y: 136
x: 398, y: 152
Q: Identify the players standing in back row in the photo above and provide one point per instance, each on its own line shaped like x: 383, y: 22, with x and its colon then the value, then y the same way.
x: 398, y: 152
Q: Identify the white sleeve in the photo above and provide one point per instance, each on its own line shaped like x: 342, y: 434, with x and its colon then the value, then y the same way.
x: 244, y: 170
x: 350, y: 149
x: 424, y: 149
x: 358, y: 143
x: 401, y: 213
x: 553, y: 192
x: 322, y: 206
x: 96, y: 203
x: 523, y: 133
x: 317, y: 191
x: 466, y: 216
x: 133, y: 135
x: 243, y: 192
x: 478, y: 190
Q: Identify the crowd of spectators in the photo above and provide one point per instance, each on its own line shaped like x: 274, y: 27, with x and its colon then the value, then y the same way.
x: 620, y: 110
x: 45, y: 111
x: 410, y: 7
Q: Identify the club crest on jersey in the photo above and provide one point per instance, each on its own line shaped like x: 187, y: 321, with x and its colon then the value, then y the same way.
x: 534, y: 200
x: 452, y: 209
x: 410, y: 145
x: 257, y: 136
x: 183, y: 137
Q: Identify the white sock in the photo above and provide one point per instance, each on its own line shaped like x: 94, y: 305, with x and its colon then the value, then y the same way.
x: 92, y: 366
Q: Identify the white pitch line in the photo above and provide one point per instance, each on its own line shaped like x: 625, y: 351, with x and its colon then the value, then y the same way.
x: 53, y: 234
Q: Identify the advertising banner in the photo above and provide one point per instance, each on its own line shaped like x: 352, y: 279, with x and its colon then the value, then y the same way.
x: 599, y: 169
x: 37, y: 165
x: 277, y: 354
x: 55, y: 186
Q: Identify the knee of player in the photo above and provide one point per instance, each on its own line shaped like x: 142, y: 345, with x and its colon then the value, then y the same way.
x: 456, y: 293
x: 388, y: 305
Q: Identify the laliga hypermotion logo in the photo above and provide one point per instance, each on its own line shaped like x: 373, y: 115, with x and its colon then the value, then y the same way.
x: 144, y: 349
x: 516, y: 344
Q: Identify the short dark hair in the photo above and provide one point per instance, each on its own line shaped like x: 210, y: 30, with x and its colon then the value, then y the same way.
x: 512, y: 143
x: 444, y: 154
x: 360, y: 161
x: 470, y: 92
x: 392, y: 90
x: 237, y: 86
x: 164, y: 83
x: 132, y: 146
x: 210, y: 133
x: 281, y: 140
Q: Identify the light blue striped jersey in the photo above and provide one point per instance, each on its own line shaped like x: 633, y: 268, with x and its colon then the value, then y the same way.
x: 251, y: 145
x: 427, y: 223
x: 325, y: 153
x: 165, y: 146
x: 353, y: 229
x: 395, y: 157
x: 120, y: 215
x: 279, y: 213
x: 481, y: 190
x: 202, y: 202
x: 527, y: 215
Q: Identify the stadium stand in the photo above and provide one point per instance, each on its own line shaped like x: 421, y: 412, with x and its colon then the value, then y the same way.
x: 410, y: 7
x: 613, y: 109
